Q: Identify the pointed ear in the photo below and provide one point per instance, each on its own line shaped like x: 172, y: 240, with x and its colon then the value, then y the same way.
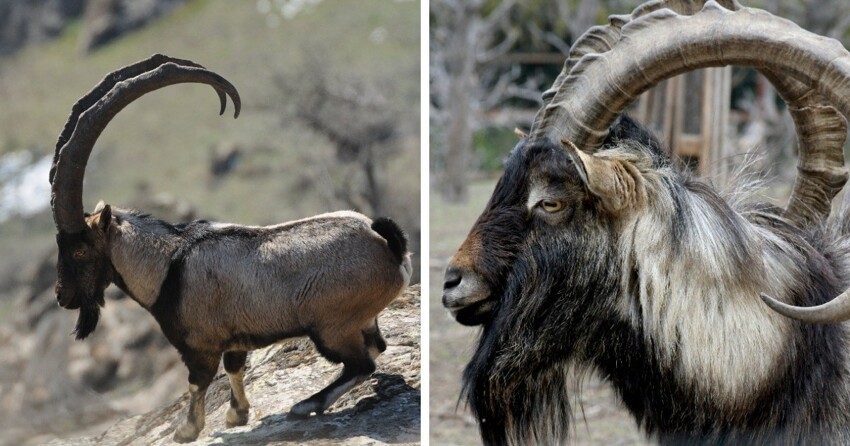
x: 102, y: 216
x: 615, y: 182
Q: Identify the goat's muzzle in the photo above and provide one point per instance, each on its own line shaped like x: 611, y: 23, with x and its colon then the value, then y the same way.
x: 466, y: 296
x: 67, y: 298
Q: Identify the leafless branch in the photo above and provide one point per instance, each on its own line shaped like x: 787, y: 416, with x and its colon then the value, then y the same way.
x: 503, y: 47
x: 494, y: 20
x: 550, y: 38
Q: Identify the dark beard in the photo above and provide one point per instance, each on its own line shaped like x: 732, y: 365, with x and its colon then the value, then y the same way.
x: 516, y: 383
x: 89, y: 316
x: 517, y: 396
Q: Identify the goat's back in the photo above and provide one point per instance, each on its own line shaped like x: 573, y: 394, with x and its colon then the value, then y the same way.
x: 331, y: 270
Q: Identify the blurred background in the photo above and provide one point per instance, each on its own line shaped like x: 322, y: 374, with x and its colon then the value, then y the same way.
x: 330, y: 120
x: 490, y: 61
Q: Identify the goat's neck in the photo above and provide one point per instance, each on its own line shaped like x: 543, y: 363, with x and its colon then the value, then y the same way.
x: 141, y: 251
x: 696, y: 296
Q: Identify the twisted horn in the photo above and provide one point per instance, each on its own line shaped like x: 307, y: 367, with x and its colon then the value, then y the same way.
x: 663, y: 38
x: 92, y: 113
x: 821, y: 131
x: 610, y: 66
x: 599, y: 39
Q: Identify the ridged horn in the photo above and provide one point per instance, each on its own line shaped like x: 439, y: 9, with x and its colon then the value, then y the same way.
x: 609, y: 66
x: 92, y: 113
x: 821, y: 131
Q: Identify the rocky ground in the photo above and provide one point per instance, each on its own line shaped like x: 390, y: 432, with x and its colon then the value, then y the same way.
x: 55, y: 389
x: 384, y: 409
x: 34, y: 21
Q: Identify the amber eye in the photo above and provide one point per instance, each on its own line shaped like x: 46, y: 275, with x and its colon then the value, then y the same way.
x: 551, y: 205
x: 80, y: 253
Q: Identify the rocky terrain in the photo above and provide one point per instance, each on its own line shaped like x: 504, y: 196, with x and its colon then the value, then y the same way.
x: 384, y: 409
x: 106, y: 20
x: 52, y: 387
x: 34, y: 21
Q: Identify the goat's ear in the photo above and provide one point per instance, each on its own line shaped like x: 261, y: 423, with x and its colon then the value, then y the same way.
x: 616, y: 183
x: 102, y: 216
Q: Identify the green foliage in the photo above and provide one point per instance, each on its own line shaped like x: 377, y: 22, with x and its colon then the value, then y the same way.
x: 492, y: 145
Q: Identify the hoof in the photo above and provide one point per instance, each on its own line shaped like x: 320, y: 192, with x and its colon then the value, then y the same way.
x: 304, y: 409
x: 236, y: 417
x: 296, y: 416
x: 186, y: 433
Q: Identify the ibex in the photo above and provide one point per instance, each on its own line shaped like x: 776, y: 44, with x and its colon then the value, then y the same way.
x: 221, y: 289
x: 597, y: 252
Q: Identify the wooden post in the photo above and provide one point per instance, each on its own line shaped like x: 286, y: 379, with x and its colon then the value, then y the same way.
x: 669, y: 109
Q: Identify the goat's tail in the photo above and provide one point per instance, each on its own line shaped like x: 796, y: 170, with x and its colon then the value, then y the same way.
x: 392, y: 233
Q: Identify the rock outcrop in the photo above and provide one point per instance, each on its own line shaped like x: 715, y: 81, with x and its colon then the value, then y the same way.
x: 51, y: 385
x: 107, y: 19
x: 384, y: 409
x: 34, y: 21
x: 54, y: 387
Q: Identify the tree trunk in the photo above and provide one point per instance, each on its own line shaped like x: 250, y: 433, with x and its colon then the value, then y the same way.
x: 461, y: 62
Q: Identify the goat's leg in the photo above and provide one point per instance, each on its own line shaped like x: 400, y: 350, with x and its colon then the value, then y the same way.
x: 375, y: 343
x: 202, y: 367
x: 357, y: 366
x: 234, y: 364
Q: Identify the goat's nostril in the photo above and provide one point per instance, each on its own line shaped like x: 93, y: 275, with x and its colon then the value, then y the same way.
x: 452, y: 279
x: 449, y: 284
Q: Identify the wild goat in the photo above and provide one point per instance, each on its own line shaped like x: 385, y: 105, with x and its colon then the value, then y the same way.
x: 222, y: 289
x: 596, y: 252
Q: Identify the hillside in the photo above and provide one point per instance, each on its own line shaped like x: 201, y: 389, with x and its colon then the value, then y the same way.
x: 164, y: 142
x: 162, y: 154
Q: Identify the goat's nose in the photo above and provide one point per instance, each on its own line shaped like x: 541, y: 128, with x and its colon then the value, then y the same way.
x: 453, y: 292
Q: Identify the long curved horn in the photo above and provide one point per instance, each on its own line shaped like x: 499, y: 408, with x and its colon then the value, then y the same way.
x: 832, y: 312
x: 92, y: 113
x: 601, y: 38
x: 821, y: 131
x: 611, y: 65
x: 106, y: 84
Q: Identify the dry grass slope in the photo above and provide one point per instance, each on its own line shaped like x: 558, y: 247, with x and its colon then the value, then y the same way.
x: 164, y: 141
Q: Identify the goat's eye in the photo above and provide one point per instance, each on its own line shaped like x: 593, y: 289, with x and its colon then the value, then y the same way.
x: 551, y: 205
x: 80, y: 253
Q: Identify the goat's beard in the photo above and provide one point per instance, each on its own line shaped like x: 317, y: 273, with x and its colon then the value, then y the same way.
x: 515, y: 384
x: 520, y: 406
x: 89, y: 315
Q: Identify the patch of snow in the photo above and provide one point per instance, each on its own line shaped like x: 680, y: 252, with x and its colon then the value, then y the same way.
x: 24, y: 189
